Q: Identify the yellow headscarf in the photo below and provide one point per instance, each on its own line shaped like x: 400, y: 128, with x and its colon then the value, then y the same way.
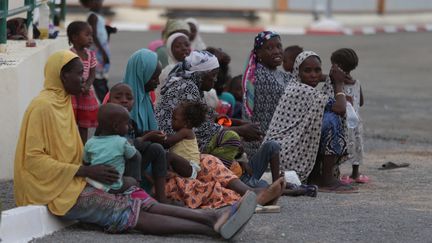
x: 49, y: 150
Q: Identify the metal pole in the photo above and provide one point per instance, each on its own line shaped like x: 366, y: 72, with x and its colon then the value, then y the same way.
x: 32, y: 5
x: 329, y: 9
x: 62, y: 13
x: 3, y: 18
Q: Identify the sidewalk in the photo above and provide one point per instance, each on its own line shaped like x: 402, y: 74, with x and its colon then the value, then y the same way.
x: 134, y: 19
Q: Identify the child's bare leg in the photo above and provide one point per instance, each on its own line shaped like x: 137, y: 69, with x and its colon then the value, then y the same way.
x: 180, y: 165
x: 355, y: 172
x: 127, y: 183
x: 83, y: 134
x: 157, y: 224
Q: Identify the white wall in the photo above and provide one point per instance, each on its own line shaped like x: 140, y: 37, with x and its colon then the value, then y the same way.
x: 20, y: 84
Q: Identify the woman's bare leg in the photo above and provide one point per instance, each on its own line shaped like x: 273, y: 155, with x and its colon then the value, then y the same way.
x: 264, y: 195
x: 158, y: 224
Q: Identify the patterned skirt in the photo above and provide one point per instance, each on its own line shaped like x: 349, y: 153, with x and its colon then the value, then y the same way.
x: 208, y: 190
x: 85, y: 109
x: 116, y: 213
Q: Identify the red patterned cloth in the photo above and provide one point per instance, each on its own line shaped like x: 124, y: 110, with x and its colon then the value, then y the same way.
x: 86, y: 105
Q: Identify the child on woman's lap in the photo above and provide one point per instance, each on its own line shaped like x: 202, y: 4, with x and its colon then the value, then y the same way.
x: 110, y: 148
x: 85, y: 104
x: 185, y: 117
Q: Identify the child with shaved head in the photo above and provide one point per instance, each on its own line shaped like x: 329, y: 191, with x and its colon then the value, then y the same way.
x: 109, y: 147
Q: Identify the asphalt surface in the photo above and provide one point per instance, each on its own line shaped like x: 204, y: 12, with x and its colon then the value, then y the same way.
x: 394, y: 207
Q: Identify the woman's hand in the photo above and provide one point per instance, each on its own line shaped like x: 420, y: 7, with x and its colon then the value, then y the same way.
x: 337, y: 77
x: 101, y: 173
x: 249, y: 132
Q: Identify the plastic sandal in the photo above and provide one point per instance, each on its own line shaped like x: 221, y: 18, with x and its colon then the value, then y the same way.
x: 362, y: 179
x: 346, y: 179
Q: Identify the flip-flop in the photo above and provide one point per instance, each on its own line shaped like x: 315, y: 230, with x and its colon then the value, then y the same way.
x: 339, y: 189
x: 346, y: 179
x: 239, y: 216
x: 362, y: 179
x: 391, y: 165
x: 311, y: 190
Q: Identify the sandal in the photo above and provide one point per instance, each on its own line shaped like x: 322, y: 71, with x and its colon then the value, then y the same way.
x: 346, y: 179
x: 339, y: 188
x: 310, y: 190
x: 362, y: 179
x: 240, y: 214
x: 391, y: 165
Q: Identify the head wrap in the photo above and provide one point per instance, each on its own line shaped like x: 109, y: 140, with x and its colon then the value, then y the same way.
x: 139, y: 69
x: 175, y: 25
x: 249, y: 73
x: 197, y: 44
x: 298, y: 61
x: 169, y: 43
x: 191, y: 68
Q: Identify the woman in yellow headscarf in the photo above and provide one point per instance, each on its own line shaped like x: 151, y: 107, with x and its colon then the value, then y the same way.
x: 49, y: 171
x: 49, y: 149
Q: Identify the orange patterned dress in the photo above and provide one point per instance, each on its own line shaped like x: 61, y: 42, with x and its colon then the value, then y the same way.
x: 208, y: 190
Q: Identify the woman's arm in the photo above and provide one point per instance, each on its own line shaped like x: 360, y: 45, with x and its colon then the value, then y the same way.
x: 338, y: 77
x: 361, y: 96
x: 101, y: 173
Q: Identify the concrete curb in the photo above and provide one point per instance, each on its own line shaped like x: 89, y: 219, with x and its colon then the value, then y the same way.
x: 23, y: 224
x: 366, y: 30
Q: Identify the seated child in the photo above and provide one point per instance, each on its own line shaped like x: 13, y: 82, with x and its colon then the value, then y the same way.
x: 289, y: 56
x: 155, y: 159
x: 110, y: 148
x: 186, y: 116
x: 235, y: 88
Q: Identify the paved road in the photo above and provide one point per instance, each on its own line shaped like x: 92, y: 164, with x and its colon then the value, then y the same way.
x: 396, y: 206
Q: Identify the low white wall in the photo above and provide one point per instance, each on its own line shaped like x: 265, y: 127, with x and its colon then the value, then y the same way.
x: 21, y: 81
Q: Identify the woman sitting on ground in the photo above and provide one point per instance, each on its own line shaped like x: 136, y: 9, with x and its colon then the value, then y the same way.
x: 263, y: 83
x: 214, y: 186
x: 49, y: 170
x: 308, y: 124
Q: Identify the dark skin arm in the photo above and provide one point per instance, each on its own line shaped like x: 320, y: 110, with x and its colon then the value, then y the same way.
x: 90, y: 80
x: 153, y: 136
x: 361, y: 97
x: 338, y: 79
x: 92, y: 20
x: 101, y: 173
x: 249, y: 131
x: 183, y: 133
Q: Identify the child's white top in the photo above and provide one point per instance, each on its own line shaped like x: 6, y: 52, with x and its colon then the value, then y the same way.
x: 353, y: 90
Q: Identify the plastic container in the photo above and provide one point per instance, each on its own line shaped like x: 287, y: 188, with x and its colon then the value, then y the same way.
x: 351, y: 116
x: 44, y: 20
x: 292, y: 177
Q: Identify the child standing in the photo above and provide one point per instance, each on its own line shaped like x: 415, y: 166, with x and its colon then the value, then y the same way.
x: 347, y: 60
x: 186, y: 116
x: 85, y: 104
x: 109, y: 147
x: 100, y: 46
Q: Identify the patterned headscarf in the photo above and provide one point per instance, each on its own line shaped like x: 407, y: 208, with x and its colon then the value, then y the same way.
x: 249, y: 73
x: 190, y: 68
x: 298, y: 61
